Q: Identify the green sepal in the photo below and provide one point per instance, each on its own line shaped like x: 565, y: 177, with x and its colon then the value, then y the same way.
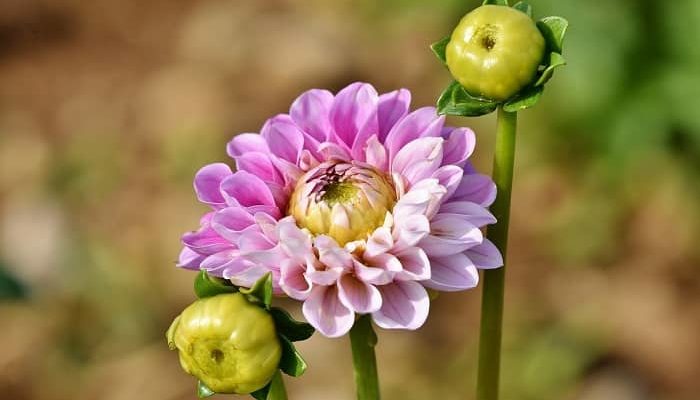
x: 289, y: 327
x: 273, y: 390
x: 553, y: 30
x: 261, y: 291
x: 206, y: 285
x: 495, y: 2
x: 526, y: 98
x: 291, y: 362
x: 203, y: 391
x: 524, y: 7
x: 439, y: 48
x: 454, y: 100
x: 555, y: 60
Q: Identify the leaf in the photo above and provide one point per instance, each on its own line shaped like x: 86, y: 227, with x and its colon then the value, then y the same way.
x: 203, y: 391
x: 524, y: 7
x: 495, y: 2
x: 272, y: 391
x: 206, y: 285
x: 261, y: 291
x: 289, y: 327
x: 525, y: 99
x: 555, y: 60
x: 439, y: 48
x: 456, y: 101
x: 291, y: 362
x: 553, y: 29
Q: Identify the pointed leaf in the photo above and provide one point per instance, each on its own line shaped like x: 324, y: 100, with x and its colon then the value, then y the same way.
x: 495, y: 2
x: 555, y: 60
x: 456, y: 101
x: 203, y: 391
x: 525, y: 99
x: 524, y: 7
x: 439, y: 48
x: 277, y: 390
x: 289, y: 327
x: 291, y: 362
x: 206, y: 285
x: 261, y: 291
x: 553, y: 29
x: 261, y: 394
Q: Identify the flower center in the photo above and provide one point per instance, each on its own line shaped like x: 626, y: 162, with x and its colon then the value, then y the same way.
x: 346, y: 201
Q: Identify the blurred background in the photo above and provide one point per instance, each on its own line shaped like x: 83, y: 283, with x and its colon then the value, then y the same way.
x: 108, y: 107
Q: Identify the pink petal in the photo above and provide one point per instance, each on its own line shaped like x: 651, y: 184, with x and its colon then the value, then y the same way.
x: 374, y: 274
x: 246, y: 189
x: 189, y: 259
x: 449, y: 176
x: 294, y: 241
x: 327, y: 313
x: 418, y: 159
x: 405, y: 305
x: 354, y: 109
x: 424, y: 198
x: 283, y: 137
x: 230, y: 222
x: 260, y: 165
x: 206, y: 241
x: 485, y: 255
x: 207, y: 183
x: 380, y: 241
x: 248, y: 277
x: 293, y: 280
x: 476, y: 188
x: 375, y: 154
x: 411, y: 231
x: 357, y: 295
x: 332, y: 151
x: 246, y: 143
x: 332, y: 255
x: 450, y: 234
x: 416, y: 266
x: 392, y: 107
x: 452, y: 273
x: 459, y: 146
x: 311, y: 111
x: 423, y: 122
x: 474, y: 213
x: 226, y: 264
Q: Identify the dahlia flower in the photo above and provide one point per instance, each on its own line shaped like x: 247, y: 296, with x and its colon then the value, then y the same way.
x: 354, y: 204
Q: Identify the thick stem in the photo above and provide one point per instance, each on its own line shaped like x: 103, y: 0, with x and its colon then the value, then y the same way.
x: 362, y: 340
x: 493, y: 286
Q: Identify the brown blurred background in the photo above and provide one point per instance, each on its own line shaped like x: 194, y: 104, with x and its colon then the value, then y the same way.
x: 108, y: 107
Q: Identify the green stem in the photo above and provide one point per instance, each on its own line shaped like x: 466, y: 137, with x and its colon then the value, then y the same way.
x: 492, y: 297
x: 362, y: 340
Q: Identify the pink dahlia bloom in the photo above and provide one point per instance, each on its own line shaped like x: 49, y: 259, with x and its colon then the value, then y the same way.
x: 354, y: 204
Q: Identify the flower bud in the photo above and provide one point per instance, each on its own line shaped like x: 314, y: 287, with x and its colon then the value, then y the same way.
x: 226, y: 342
x: 494, y: 52
x: 346, y: 201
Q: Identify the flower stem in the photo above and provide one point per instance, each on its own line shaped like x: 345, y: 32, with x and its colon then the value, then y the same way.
x: 362, y: 340
x: 493, y: 289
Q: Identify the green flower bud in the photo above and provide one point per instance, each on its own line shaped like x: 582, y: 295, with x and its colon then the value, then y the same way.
x: 230, y: 344
x: 494, y: 52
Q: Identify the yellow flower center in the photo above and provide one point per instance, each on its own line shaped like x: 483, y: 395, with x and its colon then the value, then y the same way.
x: 346, y: 201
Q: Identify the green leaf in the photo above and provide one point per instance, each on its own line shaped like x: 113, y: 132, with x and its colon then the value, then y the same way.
x: 273, y: 391
x: 555, y: 60
x: 439, y: 48
x: 525, y: 99
x: 495, y: 2
x: 203, y: 391
x: 261, y: 291
x: 553, y: 29
x: 206, y: 285
x: 524, y: 7
x: 291, y: 362
x: 289, y: 327
x: 456, y: 101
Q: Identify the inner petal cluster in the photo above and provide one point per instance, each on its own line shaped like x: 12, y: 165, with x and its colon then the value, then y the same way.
x: 344, y: 200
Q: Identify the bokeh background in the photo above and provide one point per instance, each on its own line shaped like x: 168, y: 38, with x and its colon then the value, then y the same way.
x: 108, y: 107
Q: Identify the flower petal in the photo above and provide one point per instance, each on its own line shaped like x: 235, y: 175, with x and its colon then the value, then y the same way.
x: 452, y: 273
x: 357, y: 295
x: 245, y: 143
x: 260, y: 165
x: 246, y: 189
x: 485, y: 255
x: 375, y: 154
x: 231, y: 222
x: 416, y: 266
x: 392, y: 107
x: 475, y: 213
x: 405, y: 305
x: 354, y: 109
x: 293, y: 280
x: 327, y: 313
x: 449, y: 176
x: 476, y: 188
x: 380, y: 241
x: 450, y: 234
x: 459, y: 146
x: 311, y: 111
x: 283, y: 137
x: 189, y: 259
x: 207, y: 183
x: 418, y: 159
x: 423, y: 122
